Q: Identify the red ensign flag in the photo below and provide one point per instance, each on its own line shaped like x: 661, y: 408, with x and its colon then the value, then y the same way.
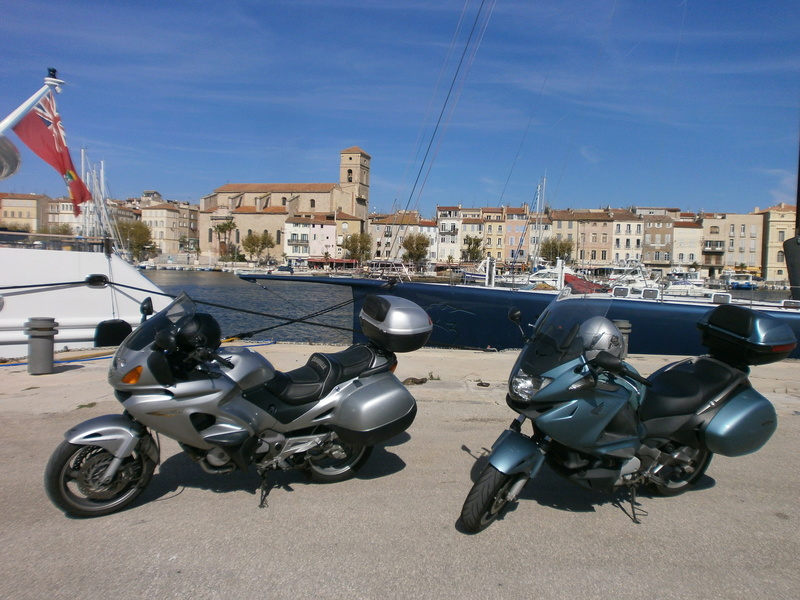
x: 41, y: 131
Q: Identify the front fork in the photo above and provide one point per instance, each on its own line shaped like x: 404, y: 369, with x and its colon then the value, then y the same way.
x: 116, y: 433
x: 514, y: 453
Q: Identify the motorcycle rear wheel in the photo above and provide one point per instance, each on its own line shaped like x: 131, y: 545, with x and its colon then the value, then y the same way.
x: 338, y: 462
x: 486, y: 500
x: 72, y: 480
x: 680, y: 478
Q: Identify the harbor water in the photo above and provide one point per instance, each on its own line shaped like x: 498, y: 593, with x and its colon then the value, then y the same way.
x: 285, y: 299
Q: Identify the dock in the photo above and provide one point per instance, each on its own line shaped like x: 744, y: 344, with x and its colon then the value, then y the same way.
x: 393, y: 531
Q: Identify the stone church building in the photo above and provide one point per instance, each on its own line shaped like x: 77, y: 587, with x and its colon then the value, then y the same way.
x: 258, y: 207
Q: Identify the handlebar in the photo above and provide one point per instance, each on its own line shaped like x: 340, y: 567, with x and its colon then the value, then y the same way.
x: 609, y: 362
x: 223, y: 361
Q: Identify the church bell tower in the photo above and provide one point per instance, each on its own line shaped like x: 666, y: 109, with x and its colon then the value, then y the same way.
x: 354, y: 178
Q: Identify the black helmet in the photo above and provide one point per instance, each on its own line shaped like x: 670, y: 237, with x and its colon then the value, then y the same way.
x: 202, y: 331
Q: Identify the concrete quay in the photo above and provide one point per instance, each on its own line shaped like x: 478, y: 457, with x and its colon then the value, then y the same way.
x: 393, y: 531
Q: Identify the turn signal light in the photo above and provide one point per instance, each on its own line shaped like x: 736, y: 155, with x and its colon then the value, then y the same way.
x: 393, y: 367
x: 132, y: 376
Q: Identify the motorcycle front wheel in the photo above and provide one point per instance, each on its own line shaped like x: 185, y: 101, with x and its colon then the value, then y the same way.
x: 679, y: 477
x: 336, y: 462
x: 486, y: 500
x: 73, y: 480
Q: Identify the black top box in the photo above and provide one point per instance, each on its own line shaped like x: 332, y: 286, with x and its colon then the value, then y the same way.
x: 741, y: 336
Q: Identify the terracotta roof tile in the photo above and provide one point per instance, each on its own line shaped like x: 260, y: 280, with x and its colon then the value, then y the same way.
x: 355, y: 150
x: 275, y: 188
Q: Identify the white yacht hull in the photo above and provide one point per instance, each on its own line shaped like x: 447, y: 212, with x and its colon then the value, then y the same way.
x: 77, y: 308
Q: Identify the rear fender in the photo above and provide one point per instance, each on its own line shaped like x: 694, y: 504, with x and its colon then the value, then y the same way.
x: 116, y: 433
x: 514, y: 453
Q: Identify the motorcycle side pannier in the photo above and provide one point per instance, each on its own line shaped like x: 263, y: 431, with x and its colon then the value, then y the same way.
x: 743, y: 424
x: 395, y: 323
x: 741, y: 336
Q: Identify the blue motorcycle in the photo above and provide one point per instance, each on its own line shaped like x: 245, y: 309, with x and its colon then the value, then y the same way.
x: 598, y: 423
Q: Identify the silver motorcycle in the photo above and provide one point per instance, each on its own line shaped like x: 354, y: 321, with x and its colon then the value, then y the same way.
x: 229, y: 408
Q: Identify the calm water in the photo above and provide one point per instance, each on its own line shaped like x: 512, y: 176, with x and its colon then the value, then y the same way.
x: 287, y: 299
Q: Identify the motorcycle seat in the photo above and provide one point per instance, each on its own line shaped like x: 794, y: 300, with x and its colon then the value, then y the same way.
x: 321, y: 374
x: 683, y: 387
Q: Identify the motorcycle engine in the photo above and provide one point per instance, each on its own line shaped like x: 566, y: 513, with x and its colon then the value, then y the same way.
x: 216, y: 457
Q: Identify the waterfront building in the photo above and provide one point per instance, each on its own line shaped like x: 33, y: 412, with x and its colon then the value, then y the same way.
x: 658, y: 242
x: 732, y: 242
x: 451, y: 238
x: 27, y: 212
x: 173, y: 228
x: 389, y: 231
x: 687, y: 246
x: 517, y: 247
x: 494, y: 233
x: 779, y: 226
x: 268, y: 205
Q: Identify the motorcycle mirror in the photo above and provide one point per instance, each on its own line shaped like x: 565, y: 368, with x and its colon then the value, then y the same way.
x: 146, y: 308
x: 515, y: 315
x: 165, y: 340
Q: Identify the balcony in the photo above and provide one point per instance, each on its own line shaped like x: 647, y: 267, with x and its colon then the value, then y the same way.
x: 714, y: 248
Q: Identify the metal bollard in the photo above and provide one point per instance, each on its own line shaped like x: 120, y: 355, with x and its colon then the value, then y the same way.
x: 625, y: 329
x: 41, y: 332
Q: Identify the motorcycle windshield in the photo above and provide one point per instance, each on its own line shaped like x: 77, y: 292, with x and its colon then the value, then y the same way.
x: 172, y: 317
x: 555, y: 338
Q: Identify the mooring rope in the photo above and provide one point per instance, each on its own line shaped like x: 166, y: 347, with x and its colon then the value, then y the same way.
x: 242, y: 335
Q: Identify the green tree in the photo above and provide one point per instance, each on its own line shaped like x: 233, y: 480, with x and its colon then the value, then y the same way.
x: 416, y: 248
x: 474, y: 250
x: 136, y: 238
x: 223, y: 231
x: 255, y: 243
x: 57, y: 229
x: 553, y: 248
x: 358, y: 246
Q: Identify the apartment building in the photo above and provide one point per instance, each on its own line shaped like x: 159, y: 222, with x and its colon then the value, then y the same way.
x: 24, y: 211
x: 778, y: 226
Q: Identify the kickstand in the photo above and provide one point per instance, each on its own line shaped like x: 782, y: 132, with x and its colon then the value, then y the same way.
x: 635, y: 512
x: 266, y: 487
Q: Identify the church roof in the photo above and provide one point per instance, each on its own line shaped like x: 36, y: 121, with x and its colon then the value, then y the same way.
x: 275, y: 188
x: 355, y: 150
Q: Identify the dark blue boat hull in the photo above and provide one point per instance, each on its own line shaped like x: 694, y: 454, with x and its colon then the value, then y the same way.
x: 475, y: 317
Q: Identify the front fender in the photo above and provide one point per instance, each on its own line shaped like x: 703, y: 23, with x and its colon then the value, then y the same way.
x: 516, y: 453
x: 116, y: 433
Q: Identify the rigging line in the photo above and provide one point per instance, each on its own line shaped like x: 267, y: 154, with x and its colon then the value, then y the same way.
x: 418, y: 144
x: 473, y: 52
x: 522, y: 141
x: 444, y: 106
x: 457, y: 78
x: 305, y: 318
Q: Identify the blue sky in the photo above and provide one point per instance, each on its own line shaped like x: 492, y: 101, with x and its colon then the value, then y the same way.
x: 684, y: 104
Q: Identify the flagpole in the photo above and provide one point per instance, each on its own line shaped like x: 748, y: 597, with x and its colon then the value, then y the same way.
x: 51, y: 82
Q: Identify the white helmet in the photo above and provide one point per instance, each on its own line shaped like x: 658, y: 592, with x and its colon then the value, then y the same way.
x: 600, y: 334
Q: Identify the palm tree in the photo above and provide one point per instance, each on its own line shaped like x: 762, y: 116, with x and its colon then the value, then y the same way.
x: 223, y: 231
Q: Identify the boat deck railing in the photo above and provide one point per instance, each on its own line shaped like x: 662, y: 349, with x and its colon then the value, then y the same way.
x: 49, y: 241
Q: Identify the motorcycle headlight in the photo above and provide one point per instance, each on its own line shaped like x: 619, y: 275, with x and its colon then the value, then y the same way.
x: 525, y: 386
